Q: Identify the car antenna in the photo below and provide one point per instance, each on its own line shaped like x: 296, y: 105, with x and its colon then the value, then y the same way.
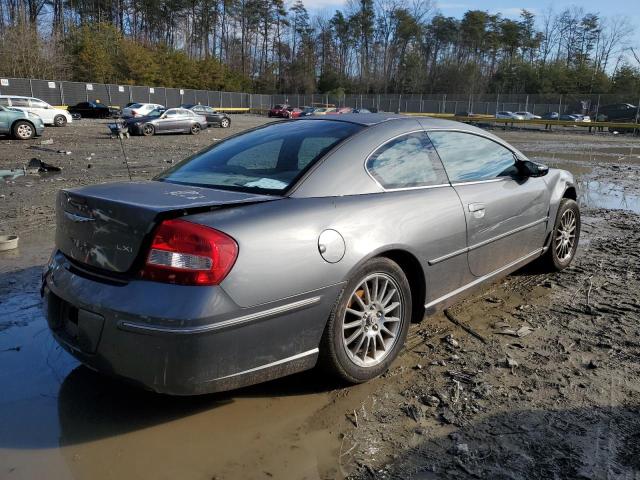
x: 124, y: 153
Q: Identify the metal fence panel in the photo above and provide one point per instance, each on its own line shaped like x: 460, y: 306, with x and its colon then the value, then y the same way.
x: 49, y: 91
x: 173, y: 97
x: 188, y: 95
x: 74, y: 92
x: 119, y: 95
x: 157, y: 95
x: 140, y: 94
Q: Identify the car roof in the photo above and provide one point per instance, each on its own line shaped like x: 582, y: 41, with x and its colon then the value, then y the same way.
x: 370, y: 119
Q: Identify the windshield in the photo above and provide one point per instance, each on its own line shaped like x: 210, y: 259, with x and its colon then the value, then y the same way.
x: 266, y: 160
x: 135, y: 105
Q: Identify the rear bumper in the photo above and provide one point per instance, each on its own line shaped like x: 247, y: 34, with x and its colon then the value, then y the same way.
x: 181, y: 340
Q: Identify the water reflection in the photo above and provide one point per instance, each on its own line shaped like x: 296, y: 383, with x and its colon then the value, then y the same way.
x: 598, y: 194
x: 594, y: 192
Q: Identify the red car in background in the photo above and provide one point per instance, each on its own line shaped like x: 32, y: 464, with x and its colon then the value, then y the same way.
x: 291, y: 112
x: 340, y: 111
x: 276, y: 111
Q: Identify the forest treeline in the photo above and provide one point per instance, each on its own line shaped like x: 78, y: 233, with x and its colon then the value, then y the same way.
x: 269, y: 46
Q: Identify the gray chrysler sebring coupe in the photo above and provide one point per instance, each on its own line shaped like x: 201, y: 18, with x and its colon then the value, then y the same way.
x: 303, y: 242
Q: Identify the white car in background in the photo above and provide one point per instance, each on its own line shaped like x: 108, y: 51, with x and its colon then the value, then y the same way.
x: 140, y: 109
x: 49, y: 115
x: 528, y: 115
x: 509, y: 115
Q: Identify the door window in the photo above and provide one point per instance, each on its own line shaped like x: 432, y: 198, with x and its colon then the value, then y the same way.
x: 468, y: 157
x: 405, y: 162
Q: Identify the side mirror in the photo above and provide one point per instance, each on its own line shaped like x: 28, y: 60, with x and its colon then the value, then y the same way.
x: 532, y: 169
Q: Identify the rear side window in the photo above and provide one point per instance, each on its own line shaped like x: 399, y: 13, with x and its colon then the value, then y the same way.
x: 37, y: 103
x: 405, y: 162
x: 20, y: 102
x: 468, y: 157
x: 266, y: 160
x: 4, y: 101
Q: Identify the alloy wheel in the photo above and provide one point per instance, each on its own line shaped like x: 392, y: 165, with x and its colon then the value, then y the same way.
x: 565, y: 236
x: 373, y: 320
x: 24, y: 131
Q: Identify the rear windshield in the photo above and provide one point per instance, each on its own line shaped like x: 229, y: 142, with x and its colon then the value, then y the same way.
x: 266, y: 160
x: 135, y: 105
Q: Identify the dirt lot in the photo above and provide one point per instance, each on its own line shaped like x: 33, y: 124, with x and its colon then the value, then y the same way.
x: 547, y: 386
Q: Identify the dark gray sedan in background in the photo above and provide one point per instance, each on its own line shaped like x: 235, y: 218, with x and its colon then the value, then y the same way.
x: 173, y: 120
x: 300, y: 242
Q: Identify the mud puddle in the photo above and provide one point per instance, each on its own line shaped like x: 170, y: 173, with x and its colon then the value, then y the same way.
x: 61, y: 420
x: 604, y: 181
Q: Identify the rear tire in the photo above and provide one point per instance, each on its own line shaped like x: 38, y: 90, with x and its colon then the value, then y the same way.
x: 564, y: 237
x: 148, y: 130
x: 369, y: 323
x: 195, y: 129
x: 23, y: 130
x: 225, y: 123
x: 60, y: 120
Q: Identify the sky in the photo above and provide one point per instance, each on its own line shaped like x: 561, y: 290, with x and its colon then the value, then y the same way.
x: 456, y: 8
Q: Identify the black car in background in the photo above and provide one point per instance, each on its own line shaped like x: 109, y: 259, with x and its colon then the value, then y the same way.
x: 93, y: 110
x: 213, y: 117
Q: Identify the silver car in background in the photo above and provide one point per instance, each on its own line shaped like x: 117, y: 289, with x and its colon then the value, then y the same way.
x: 302, y: 242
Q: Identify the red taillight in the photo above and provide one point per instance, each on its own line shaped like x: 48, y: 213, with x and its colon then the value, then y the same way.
x: 189, y: 254
x: 134, y: 113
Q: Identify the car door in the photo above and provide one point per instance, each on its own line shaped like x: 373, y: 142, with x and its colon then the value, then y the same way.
x: 431, y: 217
x: 169, y: 121
x: 506, y: 212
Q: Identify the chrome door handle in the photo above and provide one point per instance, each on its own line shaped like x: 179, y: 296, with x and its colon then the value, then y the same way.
x: 477, y: 209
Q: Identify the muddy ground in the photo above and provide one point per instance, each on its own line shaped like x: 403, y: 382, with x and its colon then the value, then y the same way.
x: 547, y: 386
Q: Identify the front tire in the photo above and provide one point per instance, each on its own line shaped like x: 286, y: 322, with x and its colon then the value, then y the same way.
x: 564, y: 237
x: 369, y: 323
x: 23, y: 130
x: 60, y: 120
x: 225, y: 123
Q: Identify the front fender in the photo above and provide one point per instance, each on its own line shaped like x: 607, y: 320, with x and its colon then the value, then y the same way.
x: 561, y: 184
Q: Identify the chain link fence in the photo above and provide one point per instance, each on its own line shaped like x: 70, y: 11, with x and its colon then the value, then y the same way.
x: 70, y: 93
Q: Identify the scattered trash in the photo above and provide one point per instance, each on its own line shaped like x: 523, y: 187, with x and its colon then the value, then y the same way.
x: 521, y: 332
x: 65, y: 152
x: 430, y: 400
x: 42, y: 167
x: 510, y: 363
x: 592, y: 365
x: 452, y: 341
x: 492, y: 300
x: 462, y: 449
x: 8, y: 242
x: 464, y: 326
x: 48, y: 141
x: 413, y: 411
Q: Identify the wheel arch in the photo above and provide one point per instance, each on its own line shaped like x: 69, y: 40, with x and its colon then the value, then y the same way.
x: 570, y: 192
x: 412, y: 268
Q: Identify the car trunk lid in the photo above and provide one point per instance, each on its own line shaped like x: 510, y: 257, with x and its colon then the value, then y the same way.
x: 105, y: 226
